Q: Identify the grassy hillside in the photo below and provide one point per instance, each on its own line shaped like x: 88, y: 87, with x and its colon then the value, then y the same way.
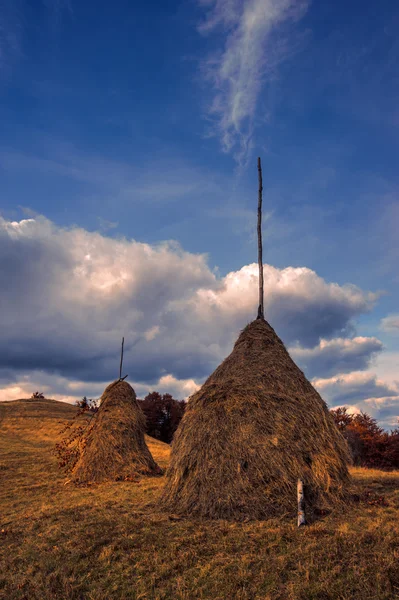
x: 113, y: 541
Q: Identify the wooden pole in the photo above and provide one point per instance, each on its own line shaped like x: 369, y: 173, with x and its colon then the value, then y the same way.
x: 301, y: 504
x: 260, y: 260
x: 120, y: 367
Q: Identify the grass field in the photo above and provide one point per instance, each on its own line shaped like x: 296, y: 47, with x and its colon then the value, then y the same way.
x: 113, y: 541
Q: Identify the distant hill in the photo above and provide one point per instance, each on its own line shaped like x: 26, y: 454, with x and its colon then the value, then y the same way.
x: 40, y: 421
x: 32, y: 408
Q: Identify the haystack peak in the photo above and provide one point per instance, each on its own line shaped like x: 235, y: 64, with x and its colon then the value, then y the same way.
x: 114, y: 447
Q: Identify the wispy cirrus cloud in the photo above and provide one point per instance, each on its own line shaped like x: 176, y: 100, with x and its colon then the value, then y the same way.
x: 254, y: 44
x: 117, y: 179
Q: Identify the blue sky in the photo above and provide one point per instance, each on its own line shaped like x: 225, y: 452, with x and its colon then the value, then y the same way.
x: 140, y: 123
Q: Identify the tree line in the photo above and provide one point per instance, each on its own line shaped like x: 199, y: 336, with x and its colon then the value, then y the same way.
x: 370, y: 445
x: 163, y: 414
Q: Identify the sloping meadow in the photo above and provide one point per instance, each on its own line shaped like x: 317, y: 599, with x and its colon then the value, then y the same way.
x: 114, y: 540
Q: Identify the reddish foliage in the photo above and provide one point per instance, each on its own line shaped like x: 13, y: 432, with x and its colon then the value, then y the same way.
x: 373, y: 499
x: 370, y: 445
x: 368, y: 497
x: 68, y: 449
x: 87, y: 404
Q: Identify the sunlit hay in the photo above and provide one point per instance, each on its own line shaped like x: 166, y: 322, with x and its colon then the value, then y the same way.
x: 253, y: 429
x: 114, y: 447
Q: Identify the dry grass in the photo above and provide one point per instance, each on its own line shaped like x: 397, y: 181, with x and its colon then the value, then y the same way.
x: 106, y: 542
x: 253, y: 429
x: 114, y: 448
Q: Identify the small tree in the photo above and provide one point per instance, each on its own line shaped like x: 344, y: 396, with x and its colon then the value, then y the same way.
x: 87, y: 404
x: 172, y: 413
x: 37, y: 396
x: 163, y: 415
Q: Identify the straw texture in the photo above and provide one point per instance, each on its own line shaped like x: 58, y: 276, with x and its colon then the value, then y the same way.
x: 114, y: 447
x: 254, y: 428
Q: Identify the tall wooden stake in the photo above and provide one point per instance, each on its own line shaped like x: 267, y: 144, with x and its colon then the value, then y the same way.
x: 260, y: 262
x: 120, y: 368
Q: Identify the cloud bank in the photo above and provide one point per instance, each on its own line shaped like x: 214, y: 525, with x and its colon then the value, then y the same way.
x: 69, y: 295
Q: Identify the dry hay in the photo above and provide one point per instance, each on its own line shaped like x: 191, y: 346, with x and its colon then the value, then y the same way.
x: 114, y: 447
x: 253, y: 429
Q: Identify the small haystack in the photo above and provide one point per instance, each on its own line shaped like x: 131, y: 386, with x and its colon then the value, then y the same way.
x: 114, y: 447
x: 255, y: 427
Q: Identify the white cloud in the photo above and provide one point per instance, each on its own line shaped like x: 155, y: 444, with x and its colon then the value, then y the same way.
x: 253, y: 47
x: 152, y: 333
x: 386, y: 365
x: 390, y: 324
x: 357, y: 385
x: 180, y: 389
x: 14, y: 392
x: 302, y: 306
x: 352, y: 410
x: 338, y: 355
x: 364, y: 390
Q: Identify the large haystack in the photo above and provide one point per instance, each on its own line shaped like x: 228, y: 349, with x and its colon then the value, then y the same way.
x: 114, y: 447
x: 253, y: 429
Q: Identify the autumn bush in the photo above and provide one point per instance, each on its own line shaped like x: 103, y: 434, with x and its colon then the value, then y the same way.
x: 67, y: 448
x: 370, y: 445
x: 88, y: 404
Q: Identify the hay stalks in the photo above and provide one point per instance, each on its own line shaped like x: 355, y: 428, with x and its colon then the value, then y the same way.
x: 255, y: 427
x: 114, y: 448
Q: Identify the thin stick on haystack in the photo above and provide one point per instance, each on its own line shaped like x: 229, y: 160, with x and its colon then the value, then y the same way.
x: 260, y: 260
x: 301, y: 504
x: 253, y: 426
x: 120, y: 367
